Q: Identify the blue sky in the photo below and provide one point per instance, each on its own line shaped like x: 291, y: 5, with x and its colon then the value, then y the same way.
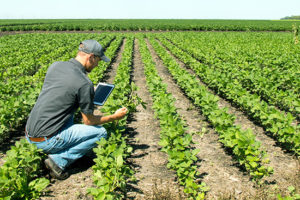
x: 149, y: 9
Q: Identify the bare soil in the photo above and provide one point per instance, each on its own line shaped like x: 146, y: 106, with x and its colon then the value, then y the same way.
x: 149, y: 162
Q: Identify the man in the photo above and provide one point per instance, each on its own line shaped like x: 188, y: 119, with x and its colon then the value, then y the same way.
x: 50, y: 124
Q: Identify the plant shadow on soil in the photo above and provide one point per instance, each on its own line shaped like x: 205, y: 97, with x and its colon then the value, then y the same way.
x: 140, y: 148
x: 284, y: 146
x: 13, y: 137
x: 131, y: 135
x: 79, y: 166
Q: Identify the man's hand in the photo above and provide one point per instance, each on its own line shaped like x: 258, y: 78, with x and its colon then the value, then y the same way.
x: 120, y: 113
x: 91, y: 119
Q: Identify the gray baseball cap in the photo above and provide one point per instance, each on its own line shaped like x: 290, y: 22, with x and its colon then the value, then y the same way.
x: 92, y: 46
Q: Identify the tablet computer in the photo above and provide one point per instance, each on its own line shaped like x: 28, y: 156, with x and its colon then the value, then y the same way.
x: 102, y: 92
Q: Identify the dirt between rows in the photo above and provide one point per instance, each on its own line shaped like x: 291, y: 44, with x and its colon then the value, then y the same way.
x: 150, y: 163
x: 217, y: 167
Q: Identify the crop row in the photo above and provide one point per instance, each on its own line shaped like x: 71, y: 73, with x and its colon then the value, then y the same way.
x: 272, y: 76
x: 174, y: 139
x: 15, y: 49
x: 111, y: 172
x: 20, y: 174
x: 145, y: 25
x: 111, y: 48
x: 275, y: 122
x: 244, y: 146
x: 274, y: 54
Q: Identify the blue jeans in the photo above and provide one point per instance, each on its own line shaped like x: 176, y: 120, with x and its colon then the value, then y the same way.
x: 71, y: 142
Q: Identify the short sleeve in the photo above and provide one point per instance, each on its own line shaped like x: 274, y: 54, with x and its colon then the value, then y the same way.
x: 85, y: 99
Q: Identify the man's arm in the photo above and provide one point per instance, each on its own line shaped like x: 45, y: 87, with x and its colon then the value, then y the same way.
x: 91, y: 119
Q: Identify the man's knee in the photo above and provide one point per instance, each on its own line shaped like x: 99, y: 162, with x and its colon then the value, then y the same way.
x: 102, y: 133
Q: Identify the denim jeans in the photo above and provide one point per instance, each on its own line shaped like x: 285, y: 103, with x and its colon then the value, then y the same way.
x: 71, y: 142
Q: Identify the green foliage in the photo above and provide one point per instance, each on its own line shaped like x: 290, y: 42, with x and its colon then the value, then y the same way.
x: 242, y: 143
x: 263, y: 64
x: 230, y: 81
x: 19, y: 174
x: 111, y: 173
x: 174, y: 139
x: 144, y: 25
x: 255, y: 71
x: 292, y: 194
x: 296, y: 33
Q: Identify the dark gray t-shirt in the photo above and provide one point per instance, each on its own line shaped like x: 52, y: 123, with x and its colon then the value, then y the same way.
x: 66, y: 88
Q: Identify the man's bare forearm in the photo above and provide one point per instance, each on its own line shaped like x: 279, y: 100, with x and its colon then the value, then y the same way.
x: 98, y: 120
x: 91, y: 119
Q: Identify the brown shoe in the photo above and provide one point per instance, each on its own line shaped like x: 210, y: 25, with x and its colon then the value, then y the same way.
x: 55, y: 171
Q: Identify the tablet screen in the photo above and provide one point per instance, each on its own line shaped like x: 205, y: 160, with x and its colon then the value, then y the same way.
x: 102, y: 92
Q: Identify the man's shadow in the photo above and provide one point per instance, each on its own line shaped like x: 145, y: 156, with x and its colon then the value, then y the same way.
x: 82, y: 164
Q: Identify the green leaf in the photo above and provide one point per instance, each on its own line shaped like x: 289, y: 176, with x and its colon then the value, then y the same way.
x: 39, y: 184
x: 119, y: 160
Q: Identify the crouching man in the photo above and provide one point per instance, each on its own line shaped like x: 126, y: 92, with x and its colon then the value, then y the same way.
x: 50, y: 124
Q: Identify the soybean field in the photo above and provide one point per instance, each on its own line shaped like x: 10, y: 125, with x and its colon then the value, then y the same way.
x: 213, y: 115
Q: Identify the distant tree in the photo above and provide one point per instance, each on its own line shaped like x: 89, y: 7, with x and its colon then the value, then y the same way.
x: 292, y: 17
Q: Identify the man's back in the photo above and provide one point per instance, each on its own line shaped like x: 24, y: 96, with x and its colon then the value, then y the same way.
x: 66, y: 87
